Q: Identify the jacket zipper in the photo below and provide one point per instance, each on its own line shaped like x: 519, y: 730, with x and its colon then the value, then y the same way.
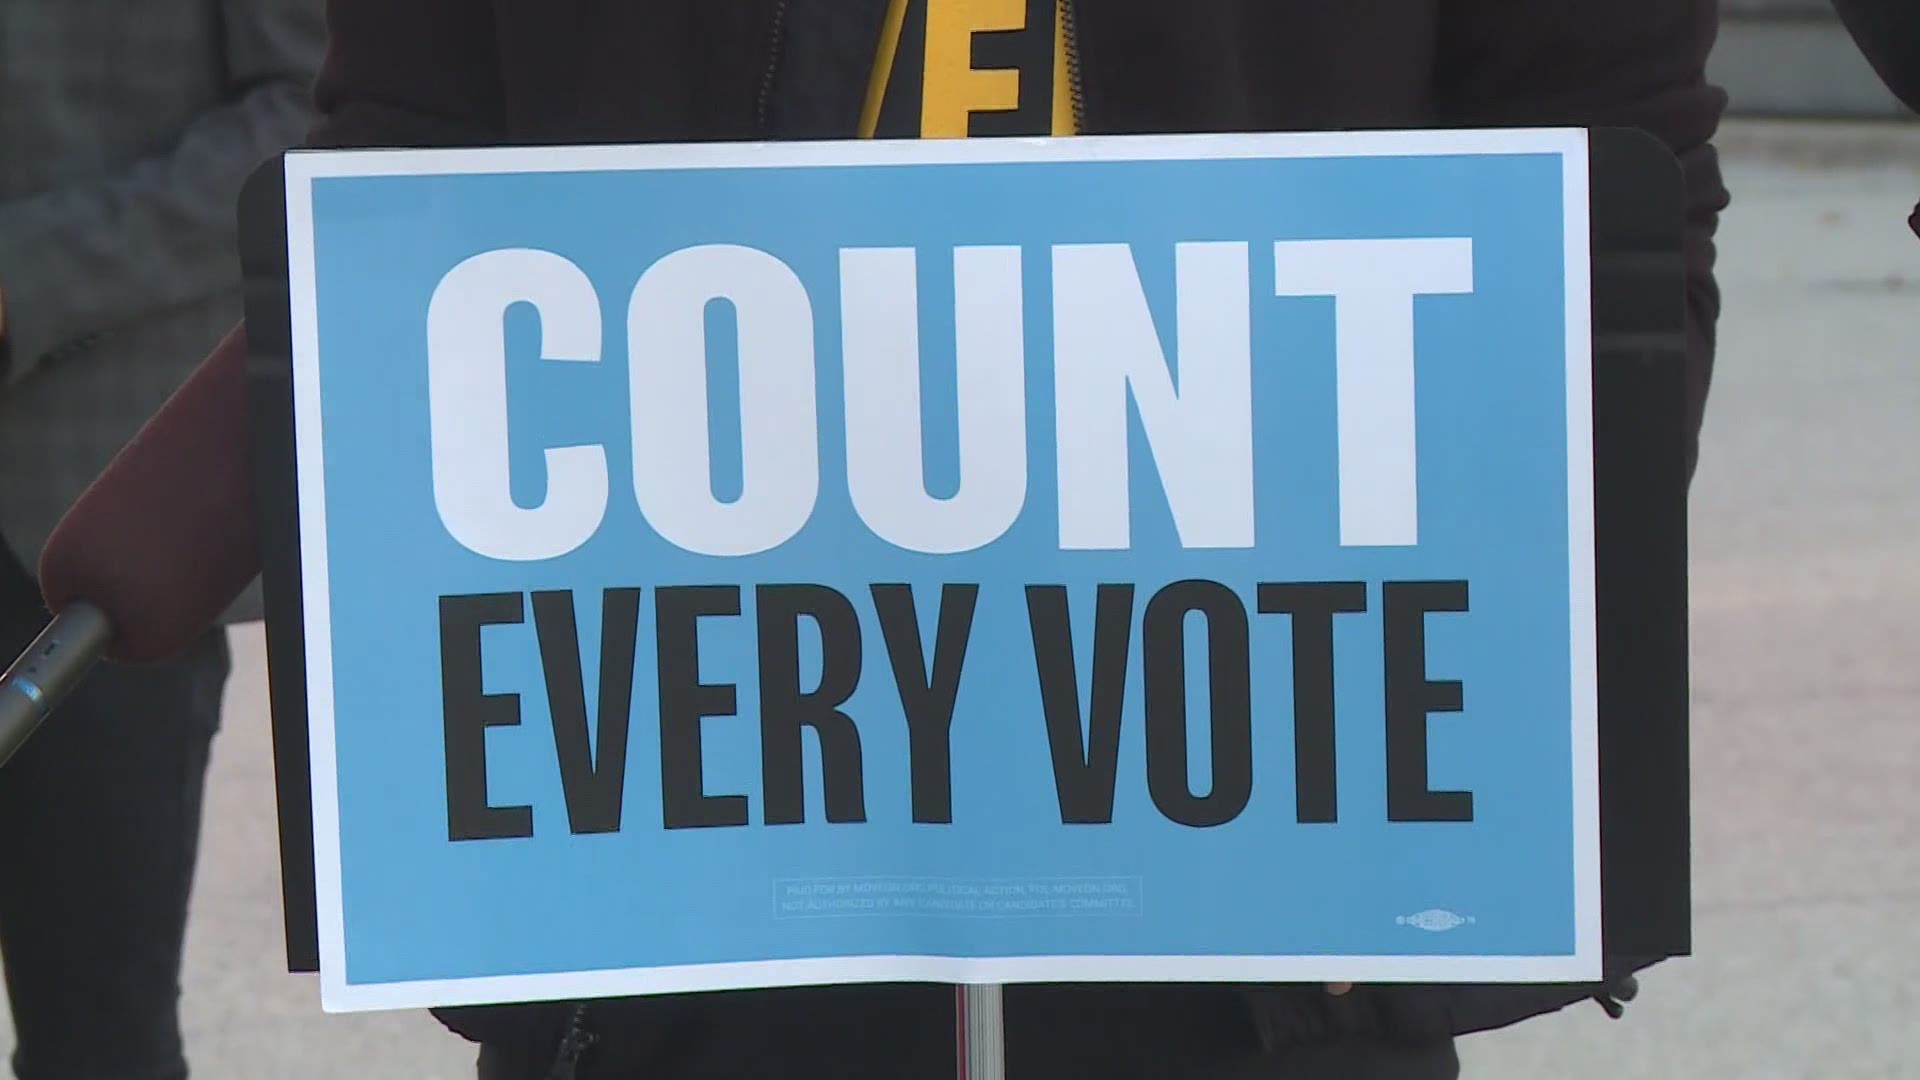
x: 573, y: 1046
x: 1070, y: 29
x: 763, y: 107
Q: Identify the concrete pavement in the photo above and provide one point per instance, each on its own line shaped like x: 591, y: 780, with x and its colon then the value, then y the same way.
x: 1806, y: 593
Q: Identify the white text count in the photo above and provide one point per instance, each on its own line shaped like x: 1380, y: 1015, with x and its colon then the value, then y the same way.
x: 1109, y: 364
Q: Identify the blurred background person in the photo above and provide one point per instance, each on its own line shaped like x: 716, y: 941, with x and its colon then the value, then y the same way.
x: 126, y: 130
x: 1888, y: 33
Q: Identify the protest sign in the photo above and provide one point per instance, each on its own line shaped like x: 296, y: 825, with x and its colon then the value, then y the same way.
x: 987, y: 561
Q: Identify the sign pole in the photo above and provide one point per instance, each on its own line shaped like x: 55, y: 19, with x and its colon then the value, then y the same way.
x: 982, y: 1032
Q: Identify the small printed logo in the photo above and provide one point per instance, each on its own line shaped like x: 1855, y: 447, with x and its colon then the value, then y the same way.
x: 1434, y: 920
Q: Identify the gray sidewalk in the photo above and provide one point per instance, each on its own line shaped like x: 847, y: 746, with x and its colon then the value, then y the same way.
x: 1806, y: 594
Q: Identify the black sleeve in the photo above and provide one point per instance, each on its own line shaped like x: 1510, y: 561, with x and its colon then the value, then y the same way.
x: 1606, y: 63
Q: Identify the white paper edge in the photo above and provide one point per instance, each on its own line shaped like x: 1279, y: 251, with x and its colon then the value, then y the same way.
x: 1584, y: 666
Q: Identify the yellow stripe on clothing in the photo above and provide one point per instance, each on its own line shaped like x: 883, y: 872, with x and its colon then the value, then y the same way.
x: 883, y: 67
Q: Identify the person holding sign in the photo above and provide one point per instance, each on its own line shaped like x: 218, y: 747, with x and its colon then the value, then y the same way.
x: 456, y: 73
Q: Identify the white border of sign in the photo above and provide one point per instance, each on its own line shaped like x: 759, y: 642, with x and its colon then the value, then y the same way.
x: 304, y: 167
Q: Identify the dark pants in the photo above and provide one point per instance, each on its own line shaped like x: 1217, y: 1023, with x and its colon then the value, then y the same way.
x: 99, y: 829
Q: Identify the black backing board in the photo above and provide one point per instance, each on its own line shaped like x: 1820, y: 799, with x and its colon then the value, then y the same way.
x: 1639, y: 338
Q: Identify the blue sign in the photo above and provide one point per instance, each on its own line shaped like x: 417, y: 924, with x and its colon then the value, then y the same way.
x: 972, y: 561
